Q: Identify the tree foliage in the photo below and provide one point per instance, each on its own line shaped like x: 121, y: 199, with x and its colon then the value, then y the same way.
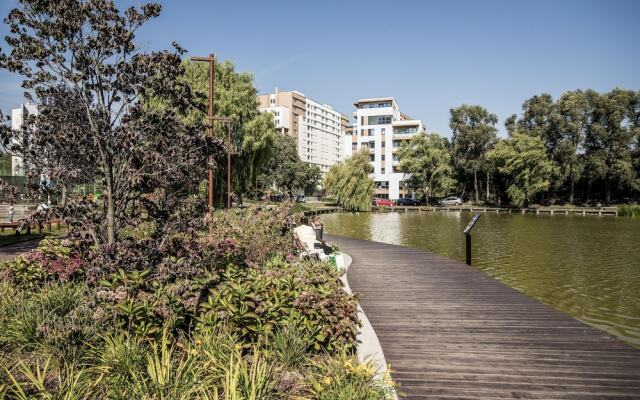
x: 285, y: 172
x: 252, y: 133
x: 474, y: 133
x: 589, y: 136
x: 82, y: 53
x: 350, y: 184
x: 426, y: 158
x: 523, y: 160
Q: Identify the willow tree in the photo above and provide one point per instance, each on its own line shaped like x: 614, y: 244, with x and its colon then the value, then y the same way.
x: 427, y: 160
x: 85, y: 50
x: 349, y: 182
x: 522, y: 160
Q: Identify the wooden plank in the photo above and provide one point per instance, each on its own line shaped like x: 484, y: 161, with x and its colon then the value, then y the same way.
x: 449, y: 331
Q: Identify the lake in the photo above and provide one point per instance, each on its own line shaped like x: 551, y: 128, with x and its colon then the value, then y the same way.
x: 585, y: 266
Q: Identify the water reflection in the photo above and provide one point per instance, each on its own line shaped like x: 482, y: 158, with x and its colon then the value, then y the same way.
x: 588, y: 267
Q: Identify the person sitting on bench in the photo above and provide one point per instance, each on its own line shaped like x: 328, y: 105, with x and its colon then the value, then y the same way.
x: 307, y: 237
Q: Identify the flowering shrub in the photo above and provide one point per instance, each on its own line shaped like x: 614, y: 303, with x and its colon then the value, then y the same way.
x: 53, y: 260
x: 256, y: 233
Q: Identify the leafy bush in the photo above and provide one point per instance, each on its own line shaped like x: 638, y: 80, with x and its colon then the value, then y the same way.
x: 306, y: 295
x: 228, y: 313
x: 208, y: 365
x: 250, y: 236
x: 629, y: 211
x: 56, y: 320
x: 53, y: 260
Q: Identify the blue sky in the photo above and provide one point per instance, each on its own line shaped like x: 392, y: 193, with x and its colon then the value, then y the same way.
x: 429, y: 55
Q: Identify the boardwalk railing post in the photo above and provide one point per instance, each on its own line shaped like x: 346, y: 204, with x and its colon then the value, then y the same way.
x: 467, y: 236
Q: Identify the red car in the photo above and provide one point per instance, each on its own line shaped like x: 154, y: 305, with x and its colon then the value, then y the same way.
x: 383, y: 202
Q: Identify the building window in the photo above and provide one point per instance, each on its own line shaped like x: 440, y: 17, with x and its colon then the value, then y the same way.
x: 384, y: 143
x: 382, y: 171
x: 370, y: 132
x: 354, y: 146
x: 396, y: 169
x: 379, y: 120
x: 372, y: 157
x: 405, y: 130
x: 372, y: 145
x: 382, y: 157
x: 382, y: 131
x: 396, y: 158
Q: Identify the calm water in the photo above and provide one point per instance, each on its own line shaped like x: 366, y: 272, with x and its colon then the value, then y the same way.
x: 588, y: 267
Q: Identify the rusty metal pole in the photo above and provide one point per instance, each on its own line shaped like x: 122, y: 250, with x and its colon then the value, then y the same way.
x: 212, y: 74
x: 229, y: 165
x: 212, y: 77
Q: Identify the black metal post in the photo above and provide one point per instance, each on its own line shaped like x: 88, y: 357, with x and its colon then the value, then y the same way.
x: 467, y: 236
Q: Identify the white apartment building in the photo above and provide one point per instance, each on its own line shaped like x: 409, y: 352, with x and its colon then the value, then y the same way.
x: 380, y: 127
x: 17, y: 117
x: 317, y: 128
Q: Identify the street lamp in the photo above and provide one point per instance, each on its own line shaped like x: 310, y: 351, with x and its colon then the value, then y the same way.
x: 211, y: 59
x: 228, y: 121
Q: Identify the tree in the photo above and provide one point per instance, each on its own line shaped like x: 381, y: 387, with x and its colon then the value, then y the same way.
x: 609, y: 137
x: 427, y: 160
x: 253, y: 133
x: 574, y: 110
x: 522, y: 159
x: 85, y: 50
x: 349, y: 182
x: 285, y: 171
x: 474, y: 133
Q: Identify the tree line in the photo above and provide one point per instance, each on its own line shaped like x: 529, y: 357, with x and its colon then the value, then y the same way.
x: 581, y: 148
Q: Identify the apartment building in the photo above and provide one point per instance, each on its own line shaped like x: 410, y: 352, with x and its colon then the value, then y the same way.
x: 380, y: 128
x: 14, y: 165
x: 317, y: 128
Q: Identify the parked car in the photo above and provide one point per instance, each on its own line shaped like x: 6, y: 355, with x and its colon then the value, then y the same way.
x: 383, y: 202
x: 407, y: 202
x: 300, y: 199
x: 451, y: 201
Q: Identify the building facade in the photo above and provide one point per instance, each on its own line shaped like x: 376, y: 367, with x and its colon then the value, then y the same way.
x: 317, y: 128
x: 380, y: 128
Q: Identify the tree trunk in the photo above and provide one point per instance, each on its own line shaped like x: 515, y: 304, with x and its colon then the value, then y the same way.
x: 571, y: 194
x: 111, y: 212
x: 487, y: 186
x: 63, y: 196
x: 475, y: 186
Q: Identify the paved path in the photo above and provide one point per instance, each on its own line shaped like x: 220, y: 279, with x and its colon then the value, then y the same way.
x: 13, y: 250
x: 451, y: 332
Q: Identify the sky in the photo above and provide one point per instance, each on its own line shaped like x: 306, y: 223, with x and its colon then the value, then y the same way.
x: 429, y: 55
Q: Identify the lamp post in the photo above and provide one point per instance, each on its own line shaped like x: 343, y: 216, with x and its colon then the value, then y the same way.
x: 211, y: 59
x: 228, y: 121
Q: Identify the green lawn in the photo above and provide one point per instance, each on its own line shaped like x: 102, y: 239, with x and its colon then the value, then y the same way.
x: 9, y: 235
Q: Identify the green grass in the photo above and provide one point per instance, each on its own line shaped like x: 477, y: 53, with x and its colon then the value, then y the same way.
x: 629, y: 211
x: 9, y: 236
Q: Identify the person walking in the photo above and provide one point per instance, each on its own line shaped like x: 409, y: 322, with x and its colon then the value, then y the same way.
x: 12, y: 212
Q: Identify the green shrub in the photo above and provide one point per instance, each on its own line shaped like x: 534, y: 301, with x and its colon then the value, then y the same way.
x: 342, y: 377
x: 53, y: 260
x: 628, y: 210
x: 56, y: 320
x: 308, y: 295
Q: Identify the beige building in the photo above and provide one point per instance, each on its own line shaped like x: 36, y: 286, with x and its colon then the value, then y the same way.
x: 317, y: 128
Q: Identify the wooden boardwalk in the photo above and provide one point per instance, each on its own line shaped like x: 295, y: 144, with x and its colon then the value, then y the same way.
x: 451, y: 332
